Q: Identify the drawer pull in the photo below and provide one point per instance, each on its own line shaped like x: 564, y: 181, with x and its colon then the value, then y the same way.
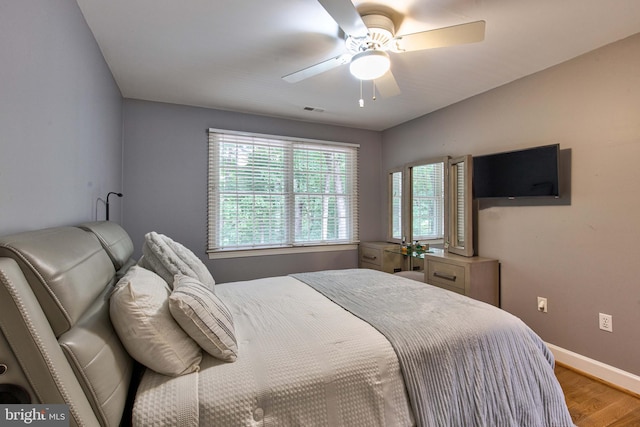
x: 445, y: 276
x: 372, y: 258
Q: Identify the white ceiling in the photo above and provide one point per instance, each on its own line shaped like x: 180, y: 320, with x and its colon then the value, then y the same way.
x: 231, y: 54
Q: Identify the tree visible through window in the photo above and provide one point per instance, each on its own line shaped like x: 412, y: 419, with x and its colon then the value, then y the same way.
x: 267, y: 192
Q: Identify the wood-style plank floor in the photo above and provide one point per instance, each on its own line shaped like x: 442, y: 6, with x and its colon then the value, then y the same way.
x: 594, y: 404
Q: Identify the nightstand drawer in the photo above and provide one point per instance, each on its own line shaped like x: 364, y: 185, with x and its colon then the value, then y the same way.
x: 371, y: 255
x: 379, y: 256
x: 446, y: 275
x: 475, y: 277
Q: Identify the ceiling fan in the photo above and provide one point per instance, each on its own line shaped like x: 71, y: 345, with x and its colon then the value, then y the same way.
x: 371, y: 36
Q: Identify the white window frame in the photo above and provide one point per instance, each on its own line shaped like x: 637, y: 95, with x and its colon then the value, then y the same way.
x: 289, y: 244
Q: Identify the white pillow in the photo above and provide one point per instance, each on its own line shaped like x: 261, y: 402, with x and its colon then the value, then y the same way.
x: 167, y: 258
x: 204, y: 316
x: 139, y: 310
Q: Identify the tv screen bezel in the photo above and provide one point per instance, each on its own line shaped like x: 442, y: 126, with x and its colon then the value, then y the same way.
x: 556, y: 179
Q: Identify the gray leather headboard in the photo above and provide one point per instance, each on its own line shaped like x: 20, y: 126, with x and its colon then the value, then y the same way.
x: 55, y: 288
x: 115, y: 241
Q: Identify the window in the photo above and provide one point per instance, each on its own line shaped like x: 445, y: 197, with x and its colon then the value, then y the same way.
x: 277, y: 192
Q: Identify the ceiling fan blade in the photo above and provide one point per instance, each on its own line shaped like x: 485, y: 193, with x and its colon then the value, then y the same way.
x: 387, y: 85
x: 317, y: 68
x: 448, y: 36
x: 346, y: 16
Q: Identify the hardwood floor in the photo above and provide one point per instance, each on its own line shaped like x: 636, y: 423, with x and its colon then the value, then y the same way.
x: 594, y: 404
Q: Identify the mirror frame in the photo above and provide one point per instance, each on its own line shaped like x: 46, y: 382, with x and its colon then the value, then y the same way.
x: 407, y: 205
x: 403, y: 205
x: 452, y: 245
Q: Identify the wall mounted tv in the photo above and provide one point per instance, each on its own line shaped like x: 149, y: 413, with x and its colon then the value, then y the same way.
x: 532, y: 172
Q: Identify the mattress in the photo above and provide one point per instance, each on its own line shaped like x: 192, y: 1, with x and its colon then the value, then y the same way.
x: 302, y: 360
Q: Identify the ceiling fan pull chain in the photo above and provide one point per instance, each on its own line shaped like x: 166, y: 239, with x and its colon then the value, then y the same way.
x: 374, y: 89
x: 361, y: 101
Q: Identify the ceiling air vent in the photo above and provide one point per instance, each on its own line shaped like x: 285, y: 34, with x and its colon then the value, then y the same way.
x: 316, y: 109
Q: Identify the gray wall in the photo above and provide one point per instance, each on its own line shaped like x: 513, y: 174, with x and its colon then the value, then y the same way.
x: 60, y: 118
x: 165, y: 182
x: 581, y: 256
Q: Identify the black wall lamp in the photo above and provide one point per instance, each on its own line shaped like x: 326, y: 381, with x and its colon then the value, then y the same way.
x: 107, y: 202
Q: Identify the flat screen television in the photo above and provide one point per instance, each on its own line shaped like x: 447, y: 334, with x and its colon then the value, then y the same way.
x: 532, y: 172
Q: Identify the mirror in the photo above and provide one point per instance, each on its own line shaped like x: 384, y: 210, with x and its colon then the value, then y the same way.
x: 427, y: 198
x: 417, y: 202
x: 460, y: 236
x: 395, y: 191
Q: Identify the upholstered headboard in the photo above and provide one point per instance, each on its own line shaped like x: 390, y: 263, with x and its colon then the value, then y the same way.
x: 57, y: 341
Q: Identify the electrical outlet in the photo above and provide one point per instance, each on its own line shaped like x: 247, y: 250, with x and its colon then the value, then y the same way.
x: 542, y: 304
x: 606, y: 322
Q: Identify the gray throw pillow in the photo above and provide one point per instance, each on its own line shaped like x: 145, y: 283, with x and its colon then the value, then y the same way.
x: 204, y: 317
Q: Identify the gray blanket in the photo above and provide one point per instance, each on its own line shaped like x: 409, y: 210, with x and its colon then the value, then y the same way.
x: 465, y: 363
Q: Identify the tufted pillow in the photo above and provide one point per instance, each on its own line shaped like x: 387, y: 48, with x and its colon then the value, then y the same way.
x: 167, y: 258
x: 204, y: 316
x: 139, y: 310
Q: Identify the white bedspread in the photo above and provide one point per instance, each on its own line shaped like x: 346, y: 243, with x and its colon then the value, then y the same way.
x: 302, y: 361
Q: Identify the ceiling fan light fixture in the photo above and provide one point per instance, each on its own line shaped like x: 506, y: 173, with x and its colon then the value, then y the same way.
x: 370, y: 64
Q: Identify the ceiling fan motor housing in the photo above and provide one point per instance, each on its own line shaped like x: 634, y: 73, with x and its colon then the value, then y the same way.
x: 381, y: 34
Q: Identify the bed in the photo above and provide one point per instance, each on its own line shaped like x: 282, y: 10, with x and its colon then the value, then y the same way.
x: 330, y: 348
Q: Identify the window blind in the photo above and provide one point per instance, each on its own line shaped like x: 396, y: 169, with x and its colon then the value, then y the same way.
x: 267, y: 192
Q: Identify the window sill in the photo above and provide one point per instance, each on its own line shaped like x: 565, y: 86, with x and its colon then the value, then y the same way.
x: 280, y: 251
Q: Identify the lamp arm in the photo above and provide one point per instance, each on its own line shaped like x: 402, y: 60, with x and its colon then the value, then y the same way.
x: 107, y: 203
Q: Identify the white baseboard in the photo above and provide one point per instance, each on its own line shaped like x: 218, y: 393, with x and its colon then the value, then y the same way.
x: 610, y: 374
